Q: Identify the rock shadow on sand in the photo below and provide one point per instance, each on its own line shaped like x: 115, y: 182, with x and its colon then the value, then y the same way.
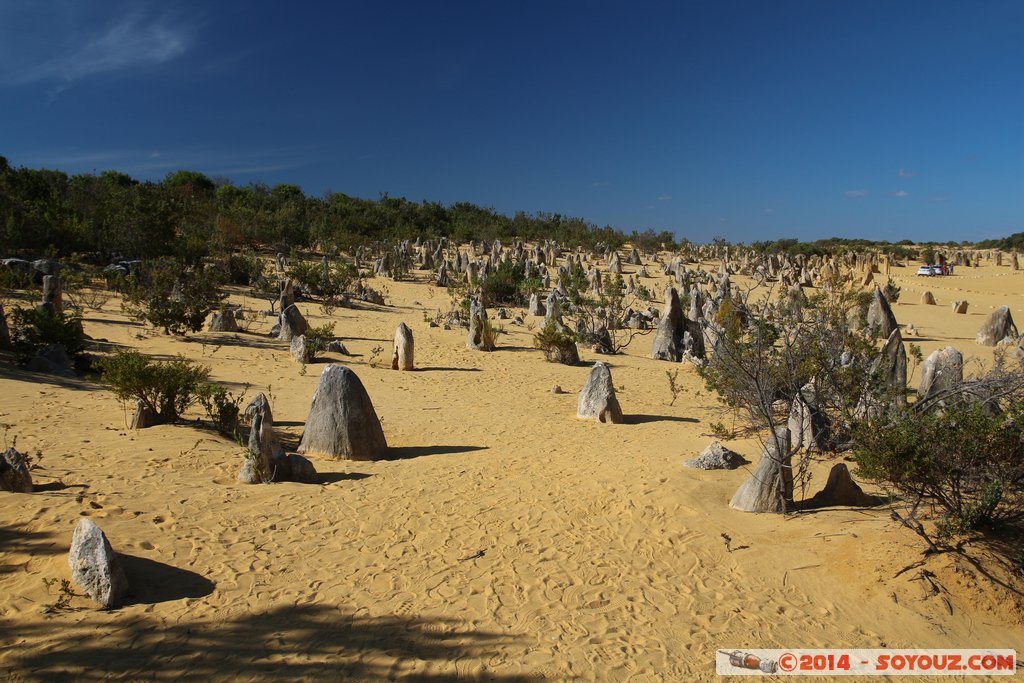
x: 334, y: 477
x: 16, y: 374
x: 248, y: 340
x: 639, y: 419
x: 288, y: 643
x: 516, y: 349
x: 153, y: 582
x: 406, y: 452
x: 56, y: 485
x: 108, y: 321
x: 16, y: 539
x: 447, y: 370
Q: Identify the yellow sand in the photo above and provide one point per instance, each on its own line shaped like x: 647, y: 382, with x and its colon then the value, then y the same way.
x: 601, y: 557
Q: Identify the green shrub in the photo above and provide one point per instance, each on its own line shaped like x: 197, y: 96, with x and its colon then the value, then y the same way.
x: 860, y: 305
x: 891, y: 292
x: 505, y: 285
x: 222, y: 407
x: 168, y: 388
x: 317, y: 339
x: 171, y: 296
x: 244, y: 268
x: 307, y: 274
x: 459, y: 304
x: 14, y: 278
x: 33, y: 329
x: 329, y: 283
x: 558, y: 345
x: 115, y: 280
x: 966, y: 460
x: 719, y: 430
x: 576, y: 283
x: 314, y: 278
x: 728, y: 319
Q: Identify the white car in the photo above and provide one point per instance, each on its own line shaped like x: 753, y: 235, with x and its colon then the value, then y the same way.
x: 926, y: 270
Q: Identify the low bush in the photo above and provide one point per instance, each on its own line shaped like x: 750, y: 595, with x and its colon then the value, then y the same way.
x: 14, y: 278
x: 968, y: 460
x: 171, y: 296
x: 328, y: 281
x: 222, y: 407
x: 317, y: 339
x: 507, y: 285
x: 308, y: 274
x: 168, y: 388
x: 33, y: 329
x: 558, y: 345
x: 244, y: 268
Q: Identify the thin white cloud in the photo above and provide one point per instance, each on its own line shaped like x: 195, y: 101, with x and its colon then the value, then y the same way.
x: 53, y: 93
x: 769, y: 210
x: 77, y: 160
x: 150, y: 163
x: 938, y: 196
x: 133, y: 42
x: 664, y: 198
x: 905, y: 173
x: 902, y: 194
x: 854, y: 194
x: 600, y: 183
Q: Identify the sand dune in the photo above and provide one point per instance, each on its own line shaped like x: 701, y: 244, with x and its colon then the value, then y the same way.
x: 503, y: 538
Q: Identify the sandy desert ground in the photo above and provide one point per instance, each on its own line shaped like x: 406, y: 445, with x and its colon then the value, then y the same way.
x: 503, y: 539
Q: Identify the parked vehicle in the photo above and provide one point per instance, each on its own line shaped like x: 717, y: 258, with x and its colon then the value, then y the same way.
x: 937, y: 269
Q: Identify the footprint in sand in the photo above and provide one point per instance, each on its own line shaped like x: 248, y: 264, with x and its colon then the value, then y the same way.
x: 591, y: 599
x: 405, y: 605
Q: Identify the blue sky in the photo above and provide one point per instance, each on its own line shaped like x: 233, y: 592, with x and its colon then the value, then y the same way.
x: 746, y: 120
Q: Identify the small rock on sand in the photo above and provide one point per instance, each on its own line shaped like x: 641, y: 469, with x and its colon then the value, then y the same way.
x: 716, y: 457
